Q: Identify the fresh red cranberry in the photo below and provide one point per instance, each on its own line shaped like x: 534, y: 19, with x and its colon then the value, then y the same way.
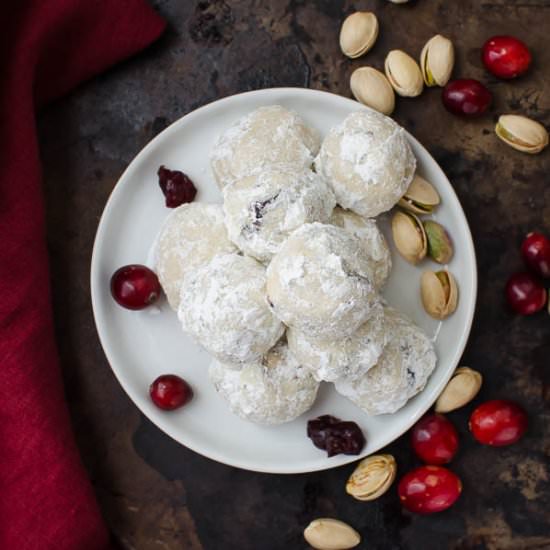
x: 135, y: 286
x: 429, y: 489
x: 434, y: 439
x: 525, y: 293
x: 498, y: 423
x: 536, y: 253
x: 466, y: 97
x: 335, y: 436
x: 176, y: 186
x: 169, y: 392
x: 506, y: 56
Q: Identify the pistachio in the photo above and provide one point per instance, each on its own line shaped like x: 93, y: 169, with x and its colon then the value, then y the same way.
x: 420, y: 198
x: 372, y: 477
x: 404, y: 74
x: 358, y: 33
x: 409, y: 236
x: 522, y: 133
x: 460, y: 390
x: 437, y: 61
x: 372, y: 88
x: 439, y: 293
x: 331, y: 534
x: 440, y: 247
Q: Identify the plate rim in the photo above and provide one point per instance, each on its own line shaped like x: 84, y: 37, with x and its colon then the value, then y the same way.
x: 95, y: 284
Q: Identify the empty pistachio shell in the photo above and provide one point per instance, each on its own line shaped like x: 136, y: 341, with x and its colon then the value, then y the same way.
x: 437, y: 61
x: 460, y: 390
x: 331, y: 534
x: 522, y: 133
x: 440, y: 246
x: 439, y: 293
x: 358, y: 33
x: 404, y: 74
x: 372, y: 477
x: 421, y: 197
x: 372, y: 88
x: 409, y: 236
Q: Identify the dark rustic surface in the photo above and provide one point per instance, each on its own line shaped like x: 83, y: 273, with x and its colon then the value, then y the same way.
x: 156, y: 494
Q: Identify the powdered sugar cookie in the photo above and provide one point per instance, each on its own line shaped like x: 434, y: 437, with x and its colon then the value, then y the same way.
x: 320, y: 283
x: 368, y: 162
x: 401, y: 372
x: 374, y: 243
x: 272, y: 390
x: 269, y: 137
x: 263, y: 209
x: 190, y: 237
x: 353, y: 356
x: 223, y: 306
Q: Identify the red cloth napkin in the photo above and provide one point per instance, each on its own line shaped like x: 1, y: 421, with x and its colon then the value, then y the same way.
x: 46, y: 48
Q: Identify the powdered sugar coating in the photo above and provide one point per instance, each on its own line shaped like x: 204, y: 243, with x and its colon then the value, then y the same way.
x: 269, y: 137
x: 350, y: 357
x: 372, y: 240
x: 273, y: 390
x: 263, y: 209
x: 368, y: 162
x: 223, y: 306
x: 401, y: 372
x: 189, y: 238
x: 320, y: 282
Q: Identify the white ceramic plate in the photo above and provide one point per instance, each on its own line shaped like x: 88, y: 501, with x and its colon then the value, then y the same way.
x: 142, y: 345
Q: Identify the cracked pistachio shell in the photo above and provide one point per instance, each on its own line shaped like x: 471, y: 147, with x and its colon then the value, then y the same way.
x: 440, y: 246
x: 460, y: 390
x: 421, y: 197
x: 409, y: 236
x: 439, y: 293
x: 331, y: 534
x: 358, y: 33
x: 522, y: 133
x: 372, y: 477
x: 371, y: 88
x: 437, y: 61
x: 403, y: 74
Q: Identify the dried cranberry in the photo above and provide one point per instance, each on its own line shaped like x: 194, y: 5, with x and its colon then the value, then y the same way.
x: 506, y: 56
x: 335, y: 436
x: 135, y: 286
x: 176, y: 186
x: 169, y: 392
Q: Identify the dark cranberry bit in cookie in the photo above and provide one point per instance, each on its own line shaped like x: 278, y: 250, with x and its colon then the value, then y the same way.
x: 176, y: 186
x: 336, y: 436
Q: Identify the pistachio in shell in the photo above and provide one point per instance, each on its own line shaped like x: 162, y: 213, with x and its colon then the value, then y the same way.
x: 522, y: 133
x: 403, y: 74
x: 440, y: 246
x: 460, y: 390
x: 358, y: 33
x: 437, y: 61
x: 371, y: 88
x: 439, y: 293
x: 372, y: 477
x: 409, y: 236
x: 331, y: 534
x: 421, y: 197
